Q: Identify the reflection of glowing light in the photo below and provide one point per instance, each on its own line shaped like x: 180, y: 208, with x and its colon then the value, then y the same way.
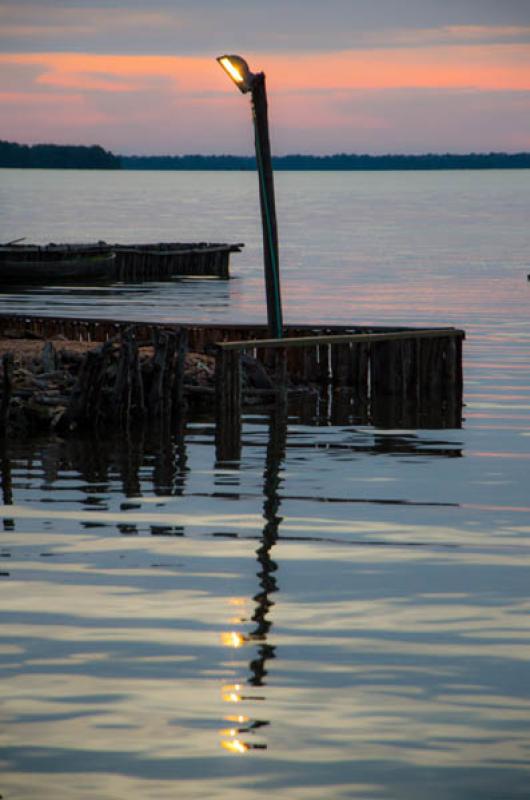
x: 232, y: 639
x: 231, y: 694
x: 237, y: 718
x: 229, y: 732
x: 235, y: 746
x: 238, y: 601
x: 232, y: 697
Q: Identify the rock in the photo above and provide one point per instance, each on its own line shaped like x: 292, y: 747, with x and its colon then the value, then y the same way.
x: 200, y: 369
x: 51, y: 398
x: 255, y: 373
x: 71, y: 357
x: 48, y: 358
x: 39, y: 415
x: 57, y: 419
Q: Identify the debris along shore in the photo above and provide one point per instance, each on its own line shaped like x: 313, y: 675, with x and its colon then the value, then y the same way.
x: 65, y: 385
x: 90, y: 372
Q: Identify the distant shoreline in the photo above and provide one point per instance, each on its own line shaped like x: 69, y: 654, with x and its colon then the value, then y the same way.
x: 53, y: 156
x: 339, y: 162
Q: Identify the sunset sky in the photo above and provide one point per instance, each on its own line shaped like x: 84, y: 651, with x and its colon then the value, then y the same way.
x: 375, y: 76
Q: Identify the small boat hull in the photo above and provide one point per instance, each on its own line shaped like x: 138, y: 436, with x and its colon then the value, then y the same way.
x: 67, y: 269
x: 37, y: 264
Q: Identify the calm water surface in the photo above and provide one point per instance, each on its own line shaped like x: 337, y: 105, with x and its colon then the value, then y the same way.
x: 343, y: 613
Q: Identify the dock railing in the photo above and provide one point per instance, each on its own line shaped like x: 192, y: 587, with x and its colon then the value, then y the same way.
x: 388, y: 377
x: 406, y: 377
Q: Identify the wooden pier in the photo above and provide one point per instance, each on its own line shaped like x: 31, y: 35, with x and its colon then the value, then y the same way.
x: 389, y: 377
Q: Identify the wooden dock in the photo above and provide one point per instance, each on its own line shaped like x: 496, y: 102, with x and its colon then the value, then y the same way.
x: 389, y: 377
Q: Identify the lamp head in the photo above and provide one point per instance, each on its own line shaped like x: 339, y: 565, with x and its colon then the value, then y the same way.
x: 238, y: 70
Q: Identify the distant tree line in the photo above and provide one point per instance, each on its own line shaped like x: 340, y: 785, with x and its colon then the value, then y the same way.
x: 194, y: 162
x: 56, y: 156
x: 341, y: 161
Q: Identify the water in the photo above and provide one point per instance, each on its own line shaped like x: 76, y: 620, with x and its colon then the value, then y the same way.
x: 341, y: 614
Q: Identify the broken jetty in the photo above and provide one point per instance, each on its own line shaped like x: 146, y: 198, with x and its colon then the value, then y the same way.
x: 83, y: 373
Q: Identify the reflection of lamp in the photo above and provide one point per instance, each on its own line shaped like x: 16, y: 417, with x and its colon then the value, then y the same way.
x: 235, y: 746
x: 233, y: 639
x: 232, y: 693
x: 246, y: 81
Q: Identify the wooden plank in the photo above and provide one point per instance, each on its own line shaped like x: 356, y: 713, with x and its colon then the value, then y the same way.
x: 323, y: 364
x: 311, y: 368
x: 233, y: 331
x: 304, y: 341
x: 295, y: 362
x: 341, y: 364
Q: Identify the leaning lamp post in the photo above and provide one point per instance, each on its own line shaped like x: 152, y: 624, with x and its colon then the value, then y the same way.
x: 246, y: 81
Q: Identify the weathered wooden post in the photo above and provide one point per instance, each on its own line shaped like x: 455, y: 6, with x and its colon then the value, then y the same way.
x: 228, y: 404
x: 246, y: 81
x: 166, y: 396
x: 7, y: 387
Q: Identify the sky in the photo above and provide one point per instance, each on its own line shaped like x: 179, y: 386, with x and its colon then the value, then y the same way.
x: 354, y: 76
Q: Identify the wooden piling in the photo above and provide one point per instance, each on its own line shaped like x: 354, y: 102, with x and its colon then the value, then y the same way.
x: 7, y: 386
x: 228, y: 404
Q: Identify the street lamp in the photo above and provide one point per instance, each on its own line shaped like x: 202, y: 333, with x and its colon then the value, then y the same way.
x: 246, y: 81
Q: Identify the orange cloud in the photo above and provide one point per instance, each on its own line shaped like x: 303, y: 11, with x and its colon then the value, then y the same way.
x: 496, y: 67
x: 486, y: 68
x: 88, y: 71
x: 320, y: 102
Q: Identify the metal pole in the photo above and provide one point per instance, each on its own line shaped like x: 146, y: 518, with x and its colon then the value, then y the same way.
x: 268, y: 208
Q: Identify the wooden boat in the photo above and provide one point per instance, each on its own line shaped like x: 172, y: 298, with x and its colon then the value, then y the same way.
x: 91, y: 267
x: 23, y: 264
x: 28, y: 263
x: 173, y: 259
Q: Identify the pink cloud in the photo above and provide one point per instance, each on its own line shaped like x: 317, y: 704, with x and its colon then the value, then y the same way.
x: 481, y: 67
x: 323, y: 101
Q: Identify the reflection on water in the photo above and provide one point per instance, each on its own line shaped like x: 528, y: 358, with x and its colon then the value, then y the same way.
x: 439, y: 248
x: 267, y: 586
x: 346, y: 606
x: 319, y: 607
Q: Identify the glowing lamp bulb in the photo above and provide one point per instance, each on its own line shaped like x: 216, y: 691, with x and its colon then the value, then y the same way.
x: 238, y: 70
x: 231, y: 69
